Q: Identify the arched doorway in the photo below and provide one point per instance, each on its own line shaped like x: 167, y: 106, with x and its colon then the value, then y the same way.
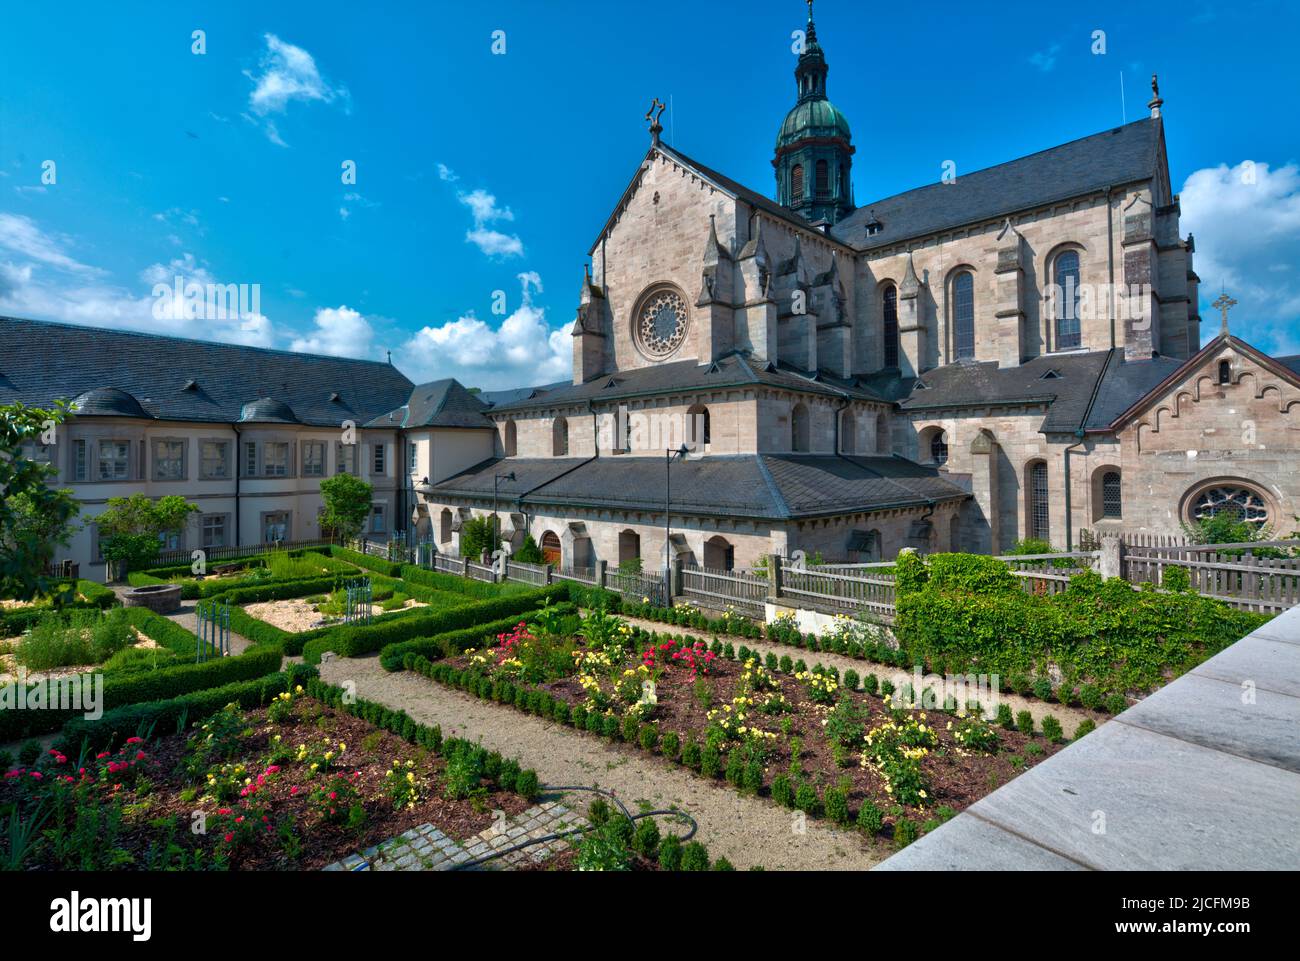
x: 629, y: 550
x: 551, y: 548
x: 444, y: 526
x: 719, y: 554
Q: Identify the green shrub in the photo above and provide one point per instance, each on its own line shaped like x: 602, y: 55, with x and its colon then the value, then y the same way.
x: 783, y: 791
x: 905, y: 832
x: 722, y: 864
x: 870, y: 818
x: 670, y: 853
x: 837, y: 805
x: 29, y: 752
x: 1116, y: 703
x: 1086, y: 726
x: 646, y: 840
x: 1090, y: 696
x: 1052, y: 729
x: 695, y: 857
x: 1043, y: 689
x: 1025, y: 722
x: 806, y: 799
x: 1004, y: 718
x: 671, y: 745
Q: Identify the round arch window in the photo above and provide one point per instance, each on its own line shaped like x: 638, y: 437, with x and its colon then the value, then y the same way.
x: 1239, y: 501
x: 661, y: 323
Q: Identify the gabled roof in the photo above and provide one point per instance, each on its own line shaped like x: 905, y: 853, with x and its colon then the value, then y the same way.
x: 730, y: 370
x: 442, y: 403
x: 1124, y: 155
x: 762, y: 486
x: 1180, y: 372
x: 172, y: 378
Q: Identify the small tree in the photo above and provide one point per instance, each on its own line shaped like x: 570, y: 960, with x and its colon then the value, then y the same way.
x: 347, y: 505
x: 529, y: 552
x: 130, y: 530
x: 34, y: 517
x: 476, y: 536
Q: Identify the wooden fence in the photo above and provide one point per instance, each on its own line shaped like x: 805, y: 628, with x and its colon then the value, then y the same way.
x: 185, y: 555
x: 842, y: 588
x: 1261, y: 576
x: 744, y: 590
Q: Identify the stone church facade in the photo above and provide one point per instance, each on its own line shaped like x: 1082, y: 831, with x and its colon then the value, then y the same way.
x: 1010, y: 353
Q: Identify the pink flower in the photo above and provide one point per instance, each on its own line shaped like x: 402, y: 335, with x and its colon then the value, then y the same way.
x: 230, y: 837
x: 36, y: 775
x: 135, y: 740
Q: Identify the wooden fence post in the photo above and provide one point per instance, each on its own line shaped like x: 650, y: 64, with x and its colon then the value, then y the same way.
x: 773, y: 578
x: 675, y: 580
x: 601, y: 569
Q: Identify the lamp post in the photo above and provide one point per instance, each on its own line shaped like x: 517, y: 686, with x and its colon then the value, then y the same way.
x: 669, y: 456
x: 496, y: 521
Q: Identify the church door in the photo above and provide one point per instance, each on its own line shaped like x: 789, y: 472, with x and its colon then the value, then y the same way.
x: 551, y: 548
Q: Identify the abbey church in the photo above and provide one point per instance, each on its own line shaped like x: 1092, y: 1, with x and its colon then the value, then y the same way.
x: 1009, y: 353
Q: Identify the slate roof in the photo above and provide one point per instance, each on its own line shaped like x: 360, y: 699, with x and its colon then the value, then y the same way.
x: 1123, y: 155
x: 44, y: 361
x: 731, y: 370
x: 763, y: 487
x: 442, y: 403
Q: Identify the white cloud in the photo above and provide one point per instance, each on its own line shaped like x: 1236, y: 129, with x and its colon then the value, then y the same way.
x: 483, y: 207
x: 524, y: 350
x: 287, y: 74
x: 1045, y: 60
x: 1246, y: 220
x: 340, y: 332
x: 445, y: 173
x: 44, y: 282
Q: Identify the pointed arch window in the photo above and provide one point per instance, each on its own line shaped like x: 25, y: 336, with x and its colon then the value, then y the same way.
x: 963, y: 315
x: 891, y: 326
x: 1066, y: 282
x: 799, y: 433
x: 1039, y: 516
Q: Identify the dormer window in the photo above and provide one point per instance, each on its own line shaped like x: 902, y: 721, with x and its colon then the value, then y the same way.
x: 1225, y: 372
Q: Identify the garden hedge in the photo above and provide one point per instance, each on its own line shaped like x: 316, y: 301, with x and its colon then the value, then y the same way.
x: 356, y: 641
x: 139, y: 719
x: 91, y: 596
x: 1104, y: 633
x: 165, y: 682
x: 397, y: 657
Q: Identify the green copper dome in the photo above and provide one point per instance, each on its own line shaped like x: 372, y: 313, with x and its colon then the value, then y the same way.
x: 812, y: 118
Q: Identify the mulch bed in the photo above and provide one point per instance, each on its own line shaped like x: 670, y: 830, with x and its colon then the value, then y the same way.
x: 157, y: 793
x: 959, y: 777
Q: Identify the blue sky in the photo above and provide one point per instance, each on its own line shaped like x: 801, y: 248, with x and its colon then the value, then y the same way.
x: 479, y: 172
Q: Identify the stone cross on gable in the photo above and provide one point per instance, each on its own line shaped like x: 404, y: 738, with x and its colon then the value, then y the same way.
x: 656, y: 128
x: 1224, y: 304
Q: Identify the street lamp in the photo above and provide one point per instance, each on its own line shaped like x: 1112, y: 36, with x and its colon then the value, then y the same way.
x: 496, y: 521
x: 669, y: 457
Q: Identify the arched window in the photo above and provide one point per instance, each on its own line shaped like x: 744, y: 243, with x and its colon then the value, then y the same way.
x: 560, y: 438
x: 1235, y: 500
x: 510, y: 439
x: 963, y: 315
x: 698, y: 429
x: 444, y: 526
x: 823, y: 178
x: 796, y: 182
x: 1225, y: 372
x: 719, y: 554
x: 551, y: 551
x: 1066, y: 293
x: 799, y: 428
x: 882, y: 434
x: 1037, y: 504
x: 629, y: 550
x: 848, y: 433
x: 939, y: 447
x: 891, y: 326
x: 1112, y: 501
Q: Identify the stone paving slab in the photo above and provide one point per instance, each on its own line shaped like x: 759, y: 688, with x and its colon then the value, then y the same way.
x: 1210, y: 712
x: 1189, y: 779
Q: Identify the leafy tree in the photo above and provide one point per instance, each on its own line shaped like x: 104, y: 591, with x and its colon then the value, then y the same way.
x: 1225, y: 527
x: 34, y: 517
x: 529, y: 552
x: 347, y: 505
x: 476, y: 536
x: 131, y: 528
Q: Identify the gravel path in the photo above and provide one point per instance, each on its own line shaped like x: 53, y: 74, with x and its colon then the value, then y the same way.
x: 748, y: 831
x: 1068, y: 716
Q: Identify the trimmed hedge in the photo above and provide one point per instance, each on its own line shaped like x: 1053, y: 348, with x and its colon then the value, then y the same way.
x: 92, y: 595
x: 356, y: 641
x: 398, y: 657
x: 377, y: 564
x: 140, y: 719
x: 1106, y: 633
x: 138, y: 686
x: 460, y: 585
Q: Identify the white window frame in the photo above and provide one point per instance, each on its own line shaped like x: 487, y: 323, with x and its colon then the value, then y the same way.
x: 379, y: 459
x: 280, y: 466
x: 345, y: 458
x: 313, y: 467
x: 123, y: 461
x: 378, y: 518
x: 159, y: 459
x: 206, y: 527
x: 205, y: 471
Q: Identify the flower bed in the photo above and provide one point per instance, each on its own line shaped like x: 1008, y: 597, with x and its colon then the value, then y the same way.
x: 297, y: 785
x: 810, y: 739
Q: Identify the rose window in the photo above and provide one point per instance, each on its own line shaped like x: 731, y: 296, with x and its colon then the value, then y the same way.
x: 1240, y: 503
x: 661, y: 325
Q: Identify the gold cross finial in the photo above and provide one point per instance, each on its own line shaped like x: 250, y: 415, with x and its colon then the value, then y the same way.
x: 1224, y: 304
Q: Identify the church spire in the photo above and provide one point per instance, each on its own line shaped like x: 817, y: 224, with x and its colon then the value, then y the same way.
x: 814, y: 148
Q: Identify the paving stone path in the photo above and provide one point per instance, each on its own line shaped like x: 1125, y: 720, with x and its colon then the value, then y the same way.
x: 748, y: 831
x: 425, y: 848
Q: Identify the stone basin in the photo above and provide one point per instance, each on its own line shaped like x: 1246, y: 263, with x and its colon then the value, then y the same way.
x: 159, y: 598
